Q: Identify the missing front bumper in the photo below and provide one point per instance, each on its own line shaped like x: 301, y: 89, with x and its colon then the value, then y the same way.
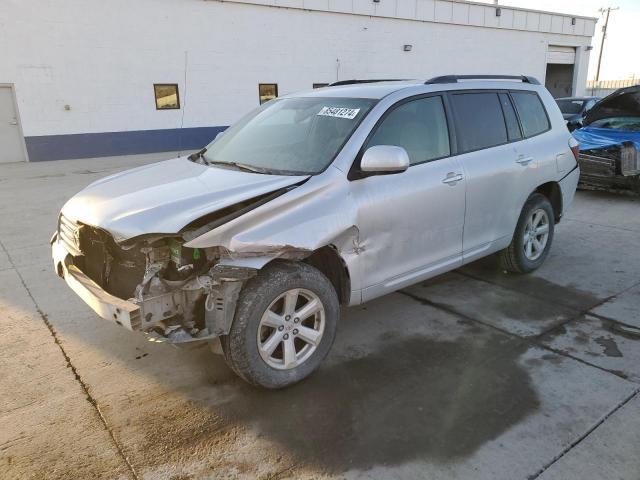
x: 124, y: 313
x: 162, y: 316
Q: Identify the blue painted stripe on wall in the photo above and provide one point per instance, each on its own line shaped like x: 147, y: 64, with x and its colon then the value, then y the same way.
x: 88, y: 145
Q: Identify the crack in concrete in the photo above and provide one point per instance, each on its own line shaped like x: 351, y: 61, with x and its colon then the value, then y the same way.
x: 585, y: 435
x: 586, y: 311
x: 529, y: 340
x: 81, y: 382
x: 532, y: 341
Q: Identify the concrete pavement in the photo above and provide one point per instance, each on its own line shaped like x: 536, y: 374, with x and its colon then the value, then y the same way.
x: 475, y: 374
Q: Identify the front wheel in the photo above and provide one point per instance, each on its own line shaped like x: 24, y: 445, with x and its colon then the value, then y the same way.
x: 284, y: 326
x: 532, y: 238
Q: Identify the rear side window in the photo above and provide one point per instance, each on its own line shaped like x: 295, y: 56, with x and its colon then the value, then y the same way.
x: 419, y: 126
x: 510, y: 118
x: 479, y: 119
x: 532, y: 113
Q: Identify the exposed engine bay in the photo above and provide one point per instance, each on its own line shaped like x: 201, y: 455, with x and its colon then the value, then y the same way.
x: 615, y: 167
x: 184, y: 294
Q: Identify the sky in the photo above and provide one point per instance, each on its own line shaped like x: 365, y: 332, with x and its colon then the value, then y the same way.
x: 621, y: 55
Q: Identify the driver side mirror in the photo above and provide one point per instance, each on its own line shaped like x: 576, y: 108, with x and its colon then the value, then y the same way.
x: 384, y: 159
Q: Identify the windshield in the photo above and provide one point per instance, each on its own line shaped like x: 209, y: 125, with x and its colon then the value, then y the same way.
x: 618, y: 123
x: 291, y: 136
x: 570, y: 106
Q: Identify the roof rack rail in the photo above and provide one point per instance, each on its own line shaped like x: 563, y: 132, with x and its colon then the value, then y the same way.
x: 456, y: 78
x: 355, y: 82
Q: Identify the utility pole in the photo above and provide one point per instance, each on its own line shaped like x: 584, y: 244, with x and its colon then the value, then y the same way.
x: 604, y: 35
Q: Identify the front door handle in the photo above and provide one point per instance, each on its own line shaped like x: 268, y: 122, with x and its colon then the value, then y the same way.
x: 524, y: 161
x: 452, y: 178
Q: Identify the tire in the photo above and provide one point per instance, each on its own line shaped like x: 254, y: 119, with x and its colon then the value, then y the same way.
x: 516, y: 258
x: 245, y: 347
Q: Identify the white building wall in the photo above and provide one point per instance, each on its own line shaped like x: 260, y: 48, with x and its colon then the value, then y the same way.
x: 101, y: 58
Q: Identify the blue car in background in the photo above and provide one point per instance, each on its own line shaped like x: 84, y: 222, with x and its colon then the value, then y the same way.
x: 610, y: 143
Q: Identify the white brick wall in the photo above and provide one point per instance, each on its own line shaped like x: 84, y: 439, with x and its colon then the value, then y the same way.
x: 102, y: 57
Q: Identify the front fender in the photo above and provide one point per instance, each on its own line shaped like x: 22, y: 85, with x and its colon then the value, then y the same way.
x: 316, y: 214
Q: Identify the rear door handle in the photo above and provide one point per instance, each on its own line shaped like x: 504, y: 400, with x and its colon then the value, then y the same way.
x: 524, y: 161
x: 452, y: 178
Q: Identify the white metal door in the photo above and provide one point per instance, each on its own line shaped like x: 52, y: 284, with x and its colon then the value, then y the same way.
x: 11, y: 142
x: 562, y: 55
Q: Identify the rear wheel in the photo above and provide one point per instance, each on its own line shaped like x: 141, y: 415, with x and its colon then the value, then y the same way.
x: 284, y: 325
x: 532, y: 238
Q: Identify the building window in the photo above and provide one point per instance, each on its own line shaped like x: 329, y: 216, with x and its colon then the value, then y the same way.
x: 167, y: 97
x: 320, y: 85
x: 267, y: 91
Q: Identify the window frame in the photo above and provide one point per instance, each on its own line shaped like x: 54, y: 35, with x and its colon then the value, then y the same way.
x: 460, y: 150
x: 508, y: 92
x: 515, y: 112
x: 544, y: 109
x: 155, y: 96
x: 355, y: 173
x: 260, y: 85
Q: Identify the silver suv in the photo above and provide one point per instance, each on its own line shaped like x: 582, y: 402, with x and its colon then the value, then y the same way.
x: 315, y: 200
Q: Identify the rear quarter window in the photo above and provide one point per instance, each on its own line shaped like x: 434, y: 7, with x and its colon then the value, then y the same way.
x: 479, y: 120
x: 533, y: 116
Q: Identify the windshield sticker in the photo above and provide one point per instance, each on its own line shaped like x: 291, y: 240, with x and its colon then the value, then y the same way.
x: 339, y: 112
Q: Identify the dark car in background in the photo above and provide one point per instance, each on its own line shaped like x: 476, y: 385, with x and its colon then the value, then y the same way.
x: 610, y: 143
x: 574, y: 109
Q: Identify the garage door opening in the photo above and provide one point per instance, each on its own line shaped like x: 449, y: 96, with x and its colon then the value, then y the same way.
x: 559, y: 77
x: 559, y: 80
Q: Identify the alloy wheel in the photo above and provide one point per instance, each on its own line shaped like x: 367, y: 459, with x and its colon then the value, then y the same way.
x: 291, y: 329
x: 536, y: 234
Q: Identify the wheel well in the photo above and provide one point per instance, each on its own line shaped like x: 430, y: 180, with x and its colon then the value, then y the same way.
x: 330, y: 263
x: 552, y: 191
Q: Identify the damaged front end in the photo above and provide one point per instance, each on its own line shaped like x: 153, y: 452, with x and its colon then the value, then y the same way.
x: 152, y: 284
x: 616, y: 167
x: 610, y: 141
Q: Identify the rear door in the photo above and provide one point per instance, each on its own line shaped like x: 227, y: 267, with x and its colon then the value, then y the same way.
x: 496, y: 164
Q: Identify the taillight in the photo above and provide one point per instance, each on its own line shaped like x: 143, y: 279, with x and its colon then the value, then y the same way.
x: 575, y: 147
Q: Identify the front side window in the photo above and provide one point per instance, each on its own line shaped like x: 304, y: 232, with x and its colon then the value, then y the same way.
x: 267, y: 91
x: 532, y: 113
x: 291, y: 136
x: 418, y: 126
x: 480, y: 121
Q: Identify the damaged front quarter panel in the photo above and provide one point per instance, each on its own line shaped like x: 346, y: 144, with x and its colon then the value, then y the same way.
x: 186, y: 284
x: 292, y: 226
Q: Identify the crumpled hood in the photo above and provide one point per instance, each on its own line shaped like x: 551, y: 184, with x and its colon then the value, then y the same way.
x: 624, y: 102
x: 164, y: 197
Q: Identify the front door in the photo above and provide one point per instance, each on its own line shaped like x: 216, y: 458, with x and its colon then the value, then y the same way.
x: 411, y: 223
x: 10, y: 136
